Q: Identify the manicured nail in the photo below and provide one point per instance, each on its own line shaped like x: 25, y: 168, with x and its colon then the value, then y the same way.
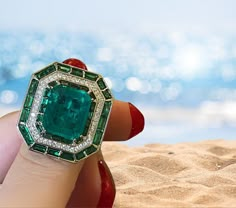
x: 108, y: 190
x: 137, y: 121
x: 76, y: 63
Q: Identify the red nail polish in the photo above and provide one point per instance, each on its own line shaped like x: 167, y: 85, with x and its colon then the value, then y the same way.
x: 108, y: 190
x: 137, y: 121
x: 76, y: 63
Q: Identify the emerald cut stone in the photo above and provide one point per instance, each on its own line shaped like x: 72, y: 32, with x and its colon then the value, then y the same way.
x: 107, y: 94
x: 91, y: 76
x: 33, y: 86
x: 45, y: 72
x: 106, y: 108
x: 24, y: 115
x: 77, y: 72
x: 67, y: 156
x: 64, y: 68
x: 25, y: 132
x: 39, y: 148
x: 66, y: 112
x: 28, y: 101
x: 98, y: 137
x: 80, y: 155
x: 53, y: 152
x: 101, y: 84
x: 90, y: 150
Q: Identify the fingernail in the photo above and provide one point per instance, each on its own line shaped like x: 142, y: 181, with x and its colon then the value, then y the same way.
x: 108, y: 190
x: 76, y: 63
x: 137, y: 121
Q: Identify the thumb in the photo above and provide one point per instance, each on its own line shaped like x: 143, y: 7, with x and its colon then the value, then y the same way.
x: 35, y: 180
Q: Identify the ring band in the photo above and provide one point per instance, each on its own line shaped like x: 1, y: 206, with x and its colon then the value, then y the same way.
x: 65, y: 112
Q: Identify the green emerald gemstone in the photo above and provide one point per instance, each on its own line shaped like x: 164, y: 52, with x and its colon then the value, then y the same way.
x: 24, y: 115
x: 106, y: 108
x: 44, y: 101
x: 64, y: 68
x: 40, y: 118
x: 80, y: 155
x: 25, y: 133
x: 33, y: 86
x: 105, y: 112
x: 90, y: 150
x: 107, y: 94
x: 53, y: 152
x: 98, y: 137
x: 77, y: 72
x: 45, y: 72
x: 102, y: 122
x: 42, y: 108
x: 28, y: 101
x: 47, y: 92
x: 101, y: 84
x: 67, y: 156
x: 91, y: 76
x: 67, y: 112
x: 39, y: 148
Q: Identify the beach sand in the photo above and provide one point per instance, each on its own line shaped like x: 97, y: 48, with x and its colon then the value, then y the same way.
x: 181, y: 175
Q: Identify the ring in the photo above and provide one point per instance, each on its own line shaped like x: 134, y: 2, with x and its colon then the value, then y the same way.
x: 65, y: 112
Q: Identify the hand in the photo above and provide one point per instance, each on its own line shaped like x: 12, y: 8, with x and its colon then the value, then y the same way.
x: 34, y: 180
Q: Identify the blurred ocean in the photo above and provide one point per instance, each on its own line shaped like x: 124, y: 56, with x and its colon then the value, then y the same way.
x: 184, y: 82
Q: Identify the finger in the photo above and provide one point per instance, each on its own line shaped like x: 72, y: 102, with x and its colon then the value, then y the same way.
x: 125, y: 122
x: 38, y: 181
x: 88, y: 185
x: 97, y: 172
x: 96, y: 178
x: 9, y: 143
x: 108, y: 190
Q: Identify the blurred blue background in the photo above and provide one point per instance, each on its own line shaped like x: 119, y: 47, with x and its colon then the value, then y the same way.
x: 175, y: 60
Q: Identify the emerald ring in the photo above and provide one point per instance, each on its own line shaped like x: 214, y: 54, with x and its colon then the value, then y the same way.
x: 65, y: 112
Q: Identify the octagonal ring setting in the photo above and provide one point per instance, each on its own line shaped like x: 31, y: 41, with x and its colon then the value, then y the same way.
x: 65, y: 112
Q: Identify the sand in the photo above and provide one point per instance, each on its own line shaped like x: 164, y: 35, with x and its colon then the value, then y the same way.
x: 181, y: 175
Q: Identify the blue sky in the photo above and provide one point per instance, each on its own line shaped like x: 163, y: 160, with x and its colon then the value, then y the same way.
x: 176, y: 60
x: 123, y: 14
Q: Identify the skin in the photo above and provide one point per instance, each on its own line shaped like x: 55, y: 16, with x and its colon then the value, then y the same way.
x: 34, y: 180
